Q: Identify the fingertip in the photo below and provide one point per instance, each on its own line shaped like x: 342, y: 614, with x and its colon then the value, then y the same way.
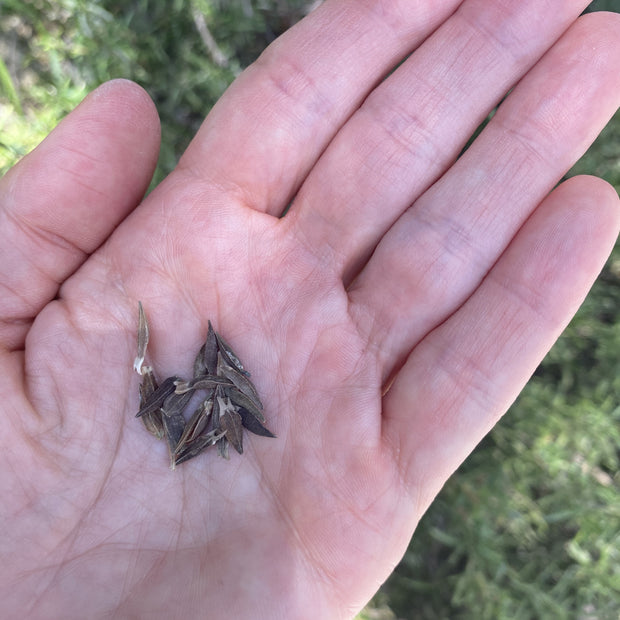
x: 128, y: 104
x: 127, y: 94
x: 604, y: 22
x: 591, y: 192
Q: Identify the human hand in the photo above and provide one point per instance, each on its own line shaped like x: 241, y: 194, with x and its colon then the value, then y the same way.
x: 396, y: 266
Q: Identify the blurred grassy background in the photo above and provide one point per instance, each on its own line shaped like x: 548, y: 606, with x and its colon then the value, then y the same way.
x: 529, y: 527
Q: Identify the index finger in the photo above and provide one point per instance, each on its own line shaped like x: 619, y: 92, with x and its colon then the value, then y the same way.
x: 266, y: 132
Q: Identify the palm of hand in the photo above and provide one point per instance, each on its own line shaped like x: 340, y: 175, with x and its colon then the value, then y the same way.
x: 287, y: 512
x: 315, y: 518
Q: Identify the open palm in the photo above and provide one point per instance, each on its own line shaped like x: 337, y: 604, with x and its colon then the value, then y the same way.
x: 388, y: 319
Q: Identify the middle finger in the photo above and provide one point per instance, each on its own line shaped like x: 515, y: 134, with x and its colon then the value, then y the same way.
x: 413, y: 126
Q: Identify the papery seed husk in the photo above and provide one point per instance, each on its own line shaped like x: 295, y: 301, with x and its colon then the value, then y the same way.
x: 181, y: 387
x: 143, y: 339
x: 155, y: 400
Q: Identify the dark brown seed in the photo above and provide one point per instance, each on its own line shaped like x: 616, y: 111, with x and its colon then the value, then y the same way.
x: 147, y: 386
x: 176, y: 403
x: 242, y: 400
x: 222, y: 444
x: 230, y: 423
x: 152, y: 421
x: 154, y: 424
x: 197, y: 423
x: 173, y: 427
x: 215, y: 412
x: 199, y: 363
x: 156, y: 399
x: 210, y: 352
x: 231, y: 401
x: 252, y: 424
x: 222, y: 448
x: 194, y: 448
x: 241, y: 381
x: 230, y: 356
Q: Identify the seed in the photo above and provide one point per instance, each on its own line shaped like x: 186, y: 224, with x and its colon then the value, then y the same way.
x: 230, y: 404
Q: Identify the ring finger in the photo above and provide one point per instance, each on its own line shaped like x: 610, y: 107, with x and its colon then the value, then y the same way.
x: 439, y: 251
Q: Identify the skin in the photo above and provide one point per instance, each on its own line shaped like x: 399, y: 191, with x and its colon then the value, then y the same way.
x: 396, y: 266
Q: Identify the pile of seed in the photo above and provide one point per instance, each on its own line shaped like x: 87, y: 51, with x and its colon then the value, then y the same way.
x: 228, y: 400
